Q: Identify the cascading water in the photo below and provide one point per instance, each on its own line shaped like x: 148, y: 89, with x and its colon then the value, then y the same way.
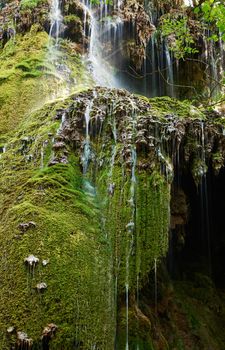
x: 103, y: 32
x: 56, y: 21
x: 113, y: 156
x: 62, y: 71
x: 87, y: 149
x: 55, y: 27
x: 159, y: 74
x: 169, y: 66
x: 131, y: 225
x: 214, y: 62
x: 222, y: 53
x: 188, y: 2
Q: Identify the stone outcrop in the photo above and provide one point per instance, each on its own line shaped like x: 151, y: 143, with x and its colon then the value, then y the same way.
x: 112, y: 194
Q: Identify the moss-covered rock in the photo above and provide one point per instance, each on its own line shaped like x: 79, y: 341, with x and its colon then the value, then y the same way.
x: 66, y: 234
x: 29, y: 77
x: 95, y: 201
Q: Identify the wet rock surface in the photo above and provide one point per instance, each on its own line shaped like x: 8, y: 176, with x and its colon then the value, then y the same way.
x: 151, y: 144
x: 41, y: 286
x: 23, y: 341
x: 186, y: 138
x: 31, y: 260
x: 26, y: 226
x: 17, y: 18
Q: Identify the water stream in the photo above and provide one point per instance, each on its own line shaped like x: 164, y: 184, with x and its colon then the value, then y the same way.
x: 87, y: 147
x: 130, y: 228
x: 56, y: 20
x: 65, y: 82
x: 103, y: 31
x: 169, y: 66
x: 104, y: 27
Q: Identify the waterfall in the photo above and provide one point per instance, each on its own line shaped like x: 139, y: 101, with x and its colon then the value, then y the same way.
x: 169, y: 66
x: 113, y: 156
x: 154, y: 68
x: 63, y: 119
x: 188, y: 3
x: 214, y: 70
x: 127, y: 315
x: 222, y: 54
x: 214, y: 60
x: 103, y: 32
x: 56, y: 20
x: 131, y: 225
x: 56, y: 57
x: 87, y: 147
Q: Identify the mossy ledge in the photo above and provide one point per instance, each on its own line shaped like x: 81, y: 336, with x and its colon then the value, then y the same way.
x: 99, y: 230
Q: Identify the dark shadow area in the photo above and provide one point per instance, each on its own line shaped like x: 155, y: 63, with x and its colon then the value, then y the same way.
x: 197, y: 241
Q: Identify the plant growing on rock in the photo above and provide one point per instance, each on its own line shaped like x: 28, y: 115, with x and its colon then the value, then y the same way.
x: 213, y: 13
x: 179, y: 38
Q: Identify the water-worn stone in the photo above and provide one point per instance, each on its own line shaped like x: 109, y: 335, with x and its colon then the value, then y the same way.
x: 48, y: 333
x: 31, y: 260
x: 23, y: 342
x: 41, y: 286
x: 27, y: 225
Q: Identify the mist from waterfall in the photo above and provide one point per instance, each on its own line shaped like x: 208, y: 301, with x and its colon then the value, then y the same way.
x: 103, y: 31
x: 55, y: 56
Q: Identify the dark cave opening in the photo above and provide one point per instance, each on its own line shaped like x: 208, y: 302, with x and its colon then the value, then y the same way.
x: 197, y: 242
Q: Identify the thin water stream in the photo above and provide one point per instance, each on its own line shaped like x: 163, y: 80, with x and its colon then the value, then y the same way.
x: 65, y: 82
x: 103, y: 31
x: 131, y: 225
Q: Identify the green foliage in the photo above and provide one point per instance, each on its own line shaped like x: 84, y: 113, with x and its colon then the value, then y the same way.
x: 182, y: 109
x: 29, y: 4
x: 67, y: 233
x: 31, y: 67
x: 213, y: 12
x: 28, y: 78
x: 19, y: 91
x: 98, y: 2
x: 180, y: 40
x: 71, y: 19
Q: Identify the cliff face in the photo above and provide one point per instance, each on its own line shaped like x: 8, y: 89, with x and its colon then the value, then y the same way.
x: 111, y: 203
x: 93, y: 208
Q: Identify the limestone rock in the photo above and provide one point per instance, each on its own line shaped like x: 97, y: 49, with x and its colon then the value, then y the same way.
x: 31, y: 260
x: 41, y: 286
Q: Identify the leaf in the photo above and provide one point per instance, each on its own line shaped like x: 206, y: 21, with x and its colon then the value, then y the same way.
x: 206, y: 7
x: 196, y: 10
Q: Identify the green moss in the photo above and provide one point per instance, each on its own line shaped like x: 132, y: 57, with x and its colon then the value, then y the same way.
x: 199, y: 301
x: 67, y: 233
x: 163, y: 106
x: 19, y: 95
x: 71, y: 19
x: 30, y: 4
x: 28, y: 78
x: 139, y: 336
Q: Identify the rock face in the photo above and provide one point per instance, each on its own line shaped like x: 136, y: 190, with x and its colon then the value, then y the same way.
x: 124, y: 200
x: 116, y: 195
x: 31, y: 260
x: 134, y: 15
x: 17, y: 17
x: 184, y: 135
